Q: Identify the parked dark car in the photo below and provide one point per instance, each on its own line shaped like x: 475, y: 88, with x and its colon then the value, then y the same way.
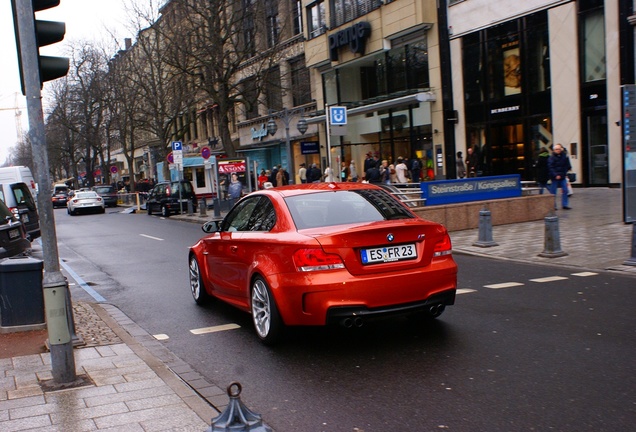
x: 108, y: 194
x: 18, y: 199
x: 13, y: 239
x: 168, y: 198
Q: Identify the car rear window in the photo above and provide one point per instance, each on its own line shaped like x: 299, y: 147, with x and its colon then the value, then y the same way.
x: 344, y: 207
x: 23, y: 196
x: 104, y: 190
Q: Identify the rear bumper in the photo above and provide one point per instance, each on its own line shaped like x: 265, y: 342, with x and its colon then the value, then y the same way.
x: 316, y: 299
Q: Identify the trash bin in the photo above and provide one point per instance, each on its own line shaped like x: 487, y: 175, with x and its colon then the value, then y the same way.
x: 21, y: 296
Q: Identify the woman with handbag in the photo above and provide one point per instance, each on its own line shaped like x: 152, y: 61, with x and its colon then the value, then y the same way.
x: 559, y: 165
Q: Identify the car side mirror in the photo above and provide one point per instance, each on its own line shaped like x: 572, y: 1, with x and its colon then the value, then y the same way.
x: 211, y: 226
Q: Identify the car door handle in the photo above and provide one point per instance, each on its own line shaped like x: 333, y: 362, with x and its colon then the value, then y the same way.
x: 233, y: 249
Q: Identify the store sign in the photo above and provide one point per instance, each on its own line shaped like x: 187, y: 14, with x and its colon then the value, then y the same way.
x: 471, y: 189
x: 309, y: 147
x: 231, y: 166
x: 259, y: 134
x: 355, y: 37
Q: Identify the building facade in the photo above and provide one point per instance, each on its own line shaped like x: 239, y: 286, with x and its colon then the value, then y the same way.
x: 529, y: 75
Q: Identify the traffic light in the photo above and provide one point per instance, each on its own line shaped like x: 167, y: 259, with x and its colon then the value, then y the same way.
x: 45, y: 32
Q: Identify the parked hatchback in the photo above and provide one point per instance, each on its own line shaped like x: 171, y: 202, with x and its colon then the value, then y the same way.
x: 13, y: 240
x: 108, y: 194
x: 171, y: 198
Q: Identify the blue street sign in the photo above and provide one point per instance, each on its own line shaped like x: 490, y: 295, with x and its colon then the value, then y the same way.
x: 177, y: 146
x: 338, y: 115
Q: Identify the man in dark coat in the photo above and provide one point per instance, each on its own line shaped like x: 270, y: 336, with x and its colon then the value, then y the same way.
x: 559, y: 165
x: 313, y: 174
x: 543, y: 172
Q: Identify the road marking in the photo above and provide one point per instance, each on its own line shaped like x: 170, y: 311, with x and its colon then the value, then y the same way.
x: 465, y: 291
x: 584, y: 274
x: 214, y: 329
x: 548, y: 279
x: 151, y: 237
x: 503, y: 285
x: 161, y: 336
x: 81, y: 283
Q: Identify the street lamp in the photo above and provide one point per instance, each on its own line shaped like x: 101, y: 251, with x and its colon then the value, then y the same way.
x: 286, y: 115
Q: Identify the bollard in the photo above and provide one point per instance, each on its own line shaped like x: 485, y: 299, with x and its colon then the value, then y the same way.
x: 203, y: 207
x: 552, y: 244
x: 217, y: 207
x: 485, y: 230
x: 237, y: 417
x: 190, y: 208
x: 632, y: 260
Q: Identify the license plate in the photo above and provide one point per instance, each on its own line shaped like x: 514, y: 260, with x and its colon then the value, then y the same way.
x: 14, y: 233
x: 388, y: 253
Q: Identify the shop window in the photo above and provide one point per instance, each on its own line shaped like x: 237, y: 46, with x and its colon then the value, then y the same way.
x: 316, y: 19
x: 200, y: 176
x: 537, y: 53
x: 273, y: 90
x: 300, y: 82
x: 473, y: 70
x: 343, y: 11
x: 593, y: 33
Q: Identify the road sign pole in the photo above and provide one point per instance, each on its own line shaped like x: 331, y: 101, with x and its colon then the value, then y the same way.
x: 327, y: 122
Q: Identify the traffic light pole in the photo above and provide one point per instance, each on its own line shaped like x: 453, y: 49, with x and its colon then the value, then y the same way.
x: 55, y: 284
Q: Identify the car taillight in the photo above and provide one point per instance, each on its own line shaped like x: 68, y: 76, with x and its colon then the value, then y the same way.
x: 99, y: 199
x: 16, y: 212
x: 307, y: 260
x: 168, y: 191
x: 443, y: 247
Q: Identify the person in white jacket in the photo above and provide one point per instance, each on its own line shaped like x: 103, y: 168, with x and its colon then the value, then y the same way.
x: 329, y: 175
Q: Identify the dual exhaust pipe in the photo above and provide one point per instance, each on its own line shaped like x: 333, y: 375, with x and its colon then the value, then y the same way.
x: 350, y: 322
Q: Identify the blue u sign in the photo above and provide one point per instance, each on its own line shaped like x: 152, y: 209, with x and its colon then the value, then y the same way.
x: 338, y: 115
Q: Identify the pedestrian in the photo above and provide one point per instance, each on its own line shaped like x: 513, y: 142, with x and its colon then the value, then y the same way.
x: 272, y: 175
x: 369, y: 162
x: 416, y: 170
x: 344, y: 171
x: 281, y: 178
x: 313, y: 174
x: 543, y: 171
x: 235, y: 188
x: 401, y: 171
x: 385, y: 172
x: 373, y: 174
x: 459, y: 163
x: 262, y: 178
x: 472, y: 162
x: 353, y: 174
x: 392, y: 174
x: 559, y: 165
x: 329, y: 175
x: 302, y: 173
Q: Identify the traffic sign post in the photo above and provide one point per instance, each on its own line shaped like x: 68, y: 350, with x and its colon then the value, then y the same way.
x: 337, y: 118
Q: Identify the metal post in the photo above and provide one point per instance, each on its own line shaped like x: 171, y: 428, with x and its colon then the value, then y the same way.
x: 217, y: 207
x: 485, y: 230
x: 203, y: 207
x: 552, y: 244
x: 237, y: 417
x: 632, y: 260
x: 54, y: 284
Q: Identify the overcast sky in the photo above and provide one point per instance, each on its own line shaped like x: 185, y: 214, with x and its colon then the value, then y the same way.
x: 85, y: 20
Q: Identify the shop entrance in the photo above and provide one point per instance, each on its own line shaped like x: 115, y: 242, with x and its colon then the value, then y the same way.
x: 597, y: 149
x: 507, y: 150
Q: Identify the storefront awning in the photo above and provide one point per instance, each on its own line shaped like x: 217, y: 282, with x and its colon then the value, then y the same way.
x: 389, y: 103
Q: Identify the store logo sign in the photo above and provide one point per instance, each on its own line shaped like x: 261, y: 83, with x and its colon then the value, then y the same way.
x: 355, y: 37
x: 259, y: 134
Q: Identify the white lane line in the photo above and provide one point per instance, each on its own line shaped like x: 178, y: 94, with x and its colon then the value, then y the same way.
x: 548, y: 279
x: 503, y: 285
x: 161, y: 336
x: 151, y: 237
x: 584, y: 274
x: 465, y: 290
x: 214, y: 329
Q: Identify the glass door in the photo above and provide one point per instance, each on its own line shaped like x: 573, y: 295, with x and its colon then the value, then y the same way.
x: 597, y: 150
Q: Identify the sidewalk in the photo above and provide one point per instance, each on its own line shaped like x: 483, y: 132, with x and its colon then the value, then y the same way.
x: 139, y: 385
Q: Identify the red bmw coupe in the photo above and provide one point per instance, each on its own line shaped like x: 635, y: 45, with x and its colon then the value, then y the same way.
x: 322, y: 253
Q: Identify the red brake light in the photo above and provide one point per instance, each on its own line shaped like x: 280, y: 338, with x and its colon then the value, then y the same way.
x: 316, y: 259
x: 168, y: 191
x: 443, y: 247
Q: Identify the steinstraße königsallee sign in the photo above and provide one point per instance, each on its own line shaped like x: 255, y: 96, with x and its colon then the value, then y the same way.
x: 471, y: 189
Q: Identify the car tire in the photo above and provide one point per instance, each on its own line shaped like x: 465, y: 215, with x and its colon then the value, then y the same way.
x: 267, y: 321
x: 197, y: 288
x: 102, y: 210
x: 148, y: 207
x: 165, y: 212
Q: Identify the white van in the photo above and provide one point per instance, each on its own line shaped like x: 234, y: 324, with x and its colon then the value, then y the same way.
x: 17, y: 189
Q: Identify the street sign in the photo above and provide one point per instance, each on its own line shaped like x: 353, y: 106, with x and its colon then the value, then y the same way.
x: 177, y: 146
x: 113, y: 169
x: 338, y: 115
x: 206, y: 153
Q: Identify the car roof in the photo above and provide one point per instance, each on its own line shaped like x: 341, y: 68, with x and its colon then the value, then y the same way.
x: 300, y: 189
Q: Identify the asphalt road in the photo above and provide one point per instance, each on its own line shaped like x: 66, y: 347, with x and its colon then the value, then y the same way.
x: 526, y: 347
